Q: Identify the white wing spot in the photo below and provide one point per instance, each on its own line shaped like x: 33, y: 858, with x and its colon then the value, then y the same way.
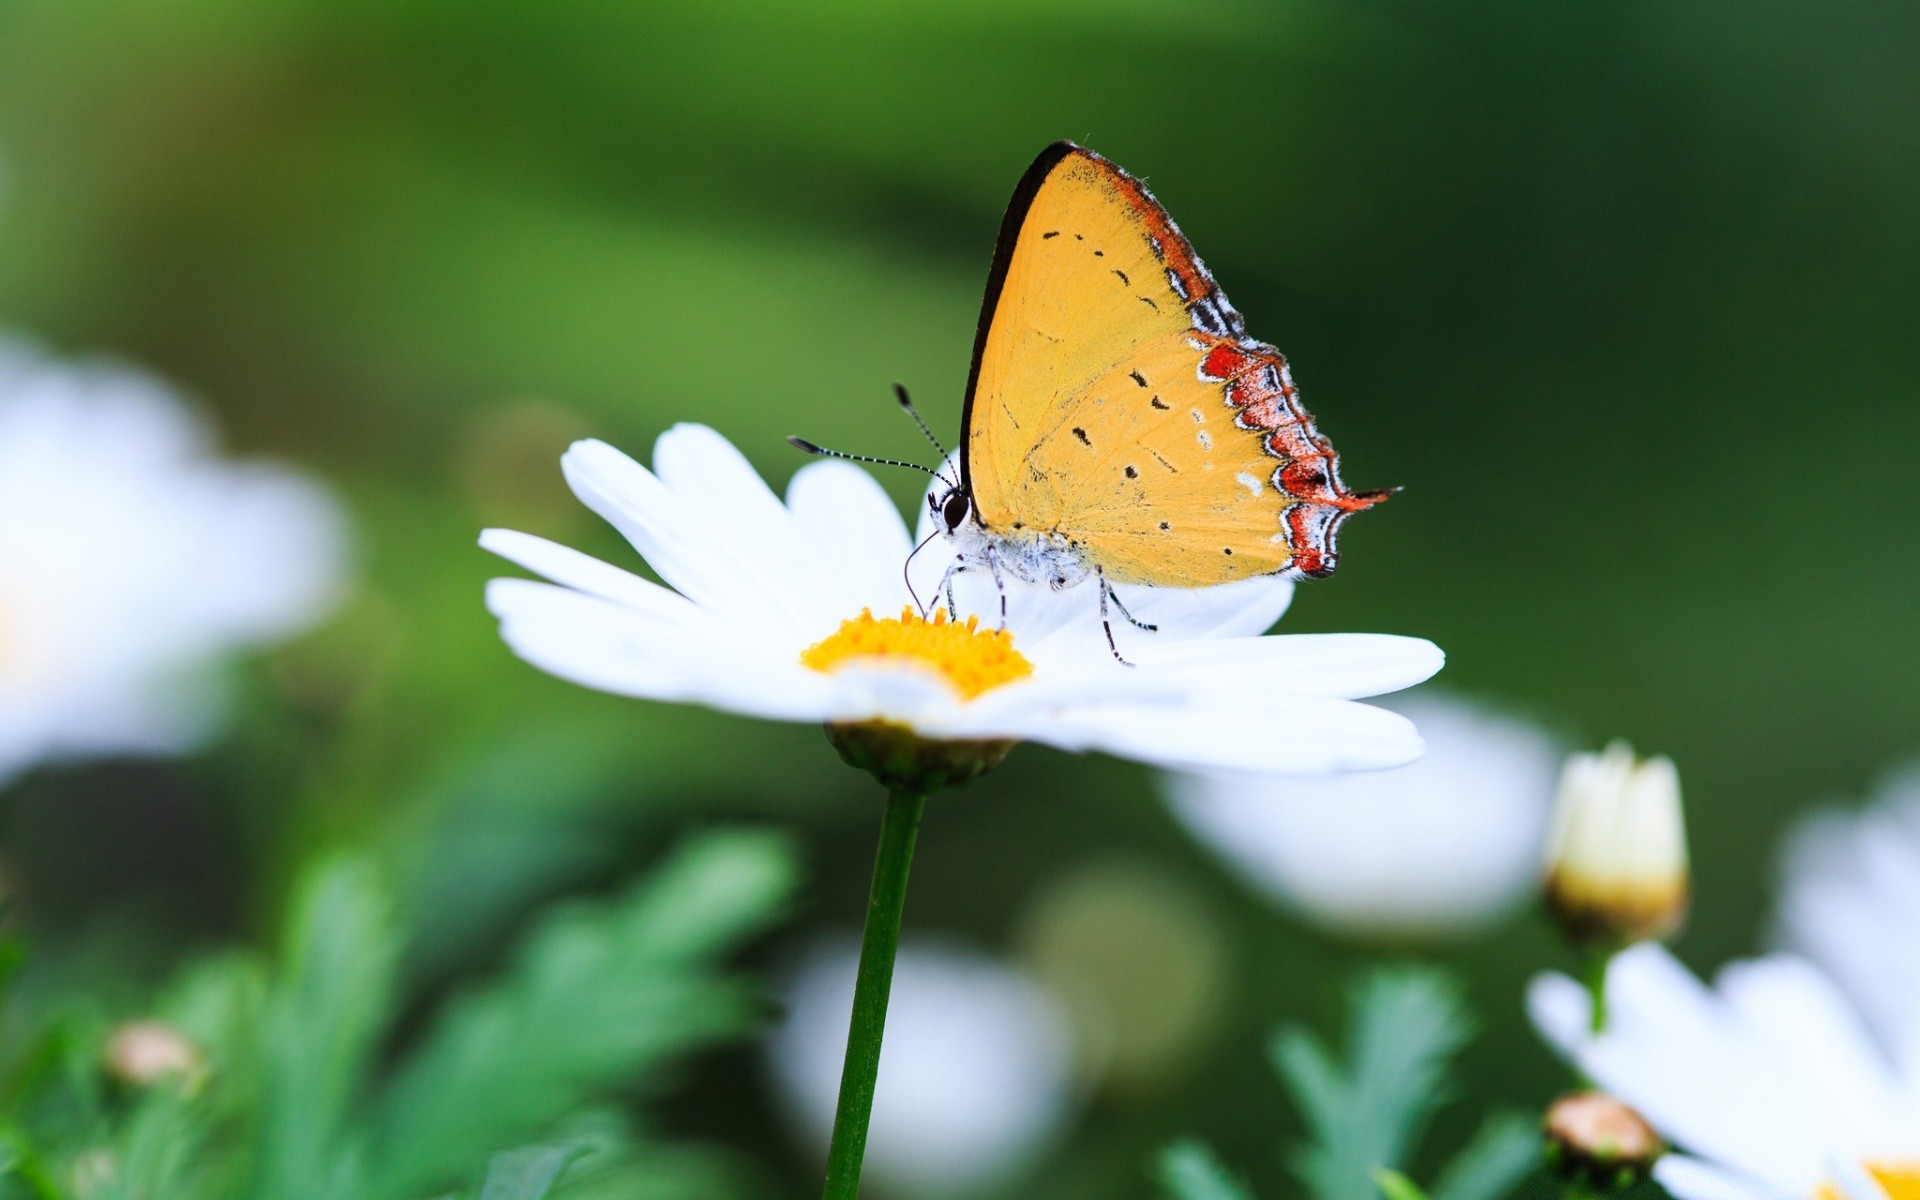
x: 1199, y: 418
x: 1248, y: 482
x: 1206, y: 440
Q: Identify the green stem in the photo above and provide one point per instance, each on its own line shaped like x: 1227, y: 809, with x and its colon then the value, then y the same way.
x: 1598, y: 960
x: 898, y: 829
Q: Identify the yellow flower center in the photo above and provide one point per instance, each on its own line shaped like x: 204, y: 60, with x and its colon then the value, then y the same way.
x: 972, y: 659
x: 1900, y: 1180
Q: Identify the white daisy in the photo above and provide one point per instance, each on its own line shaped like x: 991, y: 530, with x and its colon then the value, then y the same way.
x: 763, y: 615
x: 1769, y: 1082
x: 131, y: 558
x: 1443, y: 845
x: 1850, y: 901
x: 974, y: 1080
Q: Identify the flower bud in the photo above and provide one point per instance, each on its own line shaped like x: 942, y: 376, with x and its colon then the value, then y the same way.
x: 140, y: 1053
x: 1617, y: 859
x: 1597, y: 1140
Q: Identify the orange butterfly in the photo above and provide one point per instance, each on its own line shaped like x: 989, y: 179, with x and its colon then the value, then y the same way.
x: 1119, y: 422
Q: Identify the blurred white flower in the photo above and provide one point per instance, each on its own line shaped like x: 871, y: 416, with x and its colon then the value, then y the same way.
x: 975, y: 1073
x: 786, y: 611
x: 1617, y: 867
x: 1769, y: 1082
x: 1850, y: 901
x: 1441, y: 846
x: 131, y: 558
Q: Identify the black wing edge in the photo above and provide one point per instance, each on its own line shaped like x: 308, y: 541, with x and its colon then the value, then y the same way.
x: 1017, y: 206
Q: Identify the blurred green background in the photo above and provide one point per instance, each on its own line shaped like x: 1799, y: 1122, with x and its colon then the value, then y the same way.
x: 1624, y: 294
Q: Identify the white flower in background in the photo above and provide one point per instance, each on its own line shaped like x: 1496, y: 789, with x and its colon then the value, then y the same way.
x: 1768, y: 1083
x: 132, y: 558
x: 1441, y: 846
x: 1617, y: 860
x: 975, y: 1075
x: 763, y: 616
x: 1850, y: 901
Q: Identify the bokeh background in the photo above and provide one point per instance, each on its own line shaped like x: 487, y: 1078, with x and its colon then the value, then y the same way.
x: 1623, y: 295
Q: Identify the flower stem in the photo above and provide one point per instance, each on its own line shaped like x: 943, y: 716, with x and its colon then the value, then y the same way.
x: 1598, y: 960
x: 898, y: 828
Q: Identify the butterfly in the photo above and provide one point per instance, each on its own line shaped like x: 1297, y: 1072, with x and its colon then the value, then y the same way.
x: 1120, y: 424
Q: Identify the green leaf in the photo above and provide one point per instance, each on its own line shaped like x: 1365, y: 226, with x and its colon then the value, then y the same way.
x: 323, y: 1022
x: 1406, y: 1025
x: 1190, y: 1171
x: 528, y: 1173
x: 1504, y: 1151
x: 1395, y: 1186
x: 599, y: 997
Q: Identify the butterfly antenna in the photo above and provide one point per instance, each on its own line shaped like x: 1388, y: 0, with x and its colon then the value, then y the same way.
x: 800, y: 443
x: 900, y: 394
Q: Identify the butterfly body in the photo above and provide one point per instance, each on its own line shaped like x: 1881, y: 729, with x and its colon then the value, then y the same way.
x: 1120, y: 422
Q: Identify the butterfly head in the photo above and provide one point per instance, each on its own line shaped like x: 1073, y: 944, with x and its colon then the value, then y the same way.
x: 950, y: 508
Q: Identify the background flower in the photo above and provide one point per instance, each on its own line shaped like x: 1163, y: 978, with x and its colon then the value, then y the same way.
x: 1769, y: 1080
x: 132, y: 558
x: 1850, y: 901
x: 975, y: 1073
x: 1443, y: 845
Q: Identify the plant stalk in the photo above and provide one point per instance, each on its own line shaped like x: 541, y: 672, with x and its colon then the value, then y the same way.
x: 1598, y: 960
x: 899, y: 827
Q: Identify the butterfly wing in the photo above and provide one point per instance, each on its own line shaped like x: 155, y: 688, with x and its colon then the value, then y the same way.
x: 1115, y: 397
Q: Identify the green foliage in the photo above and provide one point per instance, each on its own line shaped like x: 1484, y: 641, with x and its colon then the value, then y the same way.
x: 1407, y: 1024
x: 526, y: 1174
x: 1365, y: 1110
x: 599, y: 995
x: 304, y: 1088
x: 1190, y: 1171
x: 1503, y: 1152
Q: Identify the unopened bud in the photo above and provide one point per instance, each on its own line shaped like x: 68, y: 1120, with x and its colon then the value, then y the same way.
x: 144, y: 1052
x: 1601, y: 1142
x: 1617, y: 861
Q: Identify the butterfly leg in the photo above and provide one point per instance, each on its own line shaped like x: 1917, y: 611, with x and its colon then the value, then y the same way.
x: 1132, y: 620
x: 1107, y: 625
x: 946, y: 585
x: 993, y: 564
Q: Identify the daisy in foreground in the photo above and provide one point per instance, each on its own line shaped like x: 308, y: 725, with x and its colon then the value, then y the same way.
x: 1770, y: 1081
x: 801, y: 611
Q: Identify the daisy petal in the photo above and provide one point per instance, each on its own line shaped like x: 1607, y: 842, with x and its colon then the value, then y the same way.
x: 1307, y: 735
x: 1347, y: 665
x: 1816, y: 1037
x: 1690, y: 1178
x: 699, y: 562
x: 850, y: 523
x: 614, y: 649
x: 716, y: 483
x: 565, y: 565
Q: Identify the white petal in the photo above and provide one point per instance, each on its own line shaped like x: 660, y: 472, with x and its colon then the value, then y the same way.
x: 602, y: 645
x: 701, y: 562
x: 1687, y: 1062
x: 1440, y: 846
x: 1689, y: 1178
x: 565, y: 565
x: 855, y: 531
x: 1306, y: 736
x: 1348, y: 665
x: 1821, y: 1045
x: 716, y: 483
